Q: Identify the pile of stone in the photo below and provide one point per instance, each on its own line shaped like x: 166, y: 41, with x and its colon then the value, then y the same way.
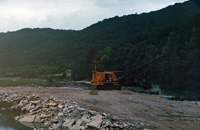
x: 57, y: 114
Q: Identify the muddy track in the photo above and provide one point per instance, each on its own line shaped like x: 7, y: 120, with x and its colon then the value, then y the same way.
x: 160, y: 113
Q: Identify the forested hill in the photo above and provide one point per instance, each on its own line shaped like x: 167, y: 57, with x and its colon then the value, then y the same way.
x: 28, y: 46
x: 146, y: 34
x: 123, y: 29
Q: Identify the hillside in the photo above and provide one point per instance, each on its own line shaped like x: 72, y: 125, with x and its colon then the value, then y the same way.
x: 30, y: 45
x: 35, y: 52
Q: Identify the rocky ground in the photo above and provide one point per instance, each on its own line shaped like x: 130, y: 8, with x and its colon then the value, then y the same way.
x: 141, y: 111
x: 53, y: 114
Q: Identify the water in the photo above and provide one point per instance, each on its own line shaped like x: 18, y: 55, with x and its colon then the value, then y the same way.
x: 181, y: 96
x: 7, y: 121
x: 171, y: 95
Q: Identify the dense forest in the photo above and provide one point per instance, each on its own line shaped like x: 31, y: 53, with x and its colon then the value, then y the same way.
x: 180, y: 71
x: 118, y: 43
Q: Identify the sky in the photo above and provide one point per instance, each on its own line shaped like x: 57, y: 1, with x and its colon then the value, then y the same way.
x: 69, y: 14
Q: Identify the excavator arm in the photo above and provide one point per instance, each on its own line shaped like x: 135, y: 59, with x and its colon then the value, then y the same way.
x: 96, y: 65
x: 162, y: 56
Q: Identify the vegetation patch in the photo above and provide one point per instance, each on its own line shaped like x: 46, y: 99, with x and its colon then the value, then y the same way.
x: 8, y: 82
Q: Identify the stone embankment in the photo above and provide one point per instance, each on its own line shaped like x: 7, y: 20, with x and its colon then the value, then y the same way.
x: 55, y: 114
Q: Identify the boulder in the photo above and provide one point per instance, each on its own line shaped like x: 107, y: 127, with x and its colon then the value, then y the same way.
x: 55, y: 119
x: 18, y: 117
x: 78, y: 123
x: 96, y: 122
x: 60, y: 114
x: 37, y: 119
x: 3, y: 109
x: 81, y: 109
x: 93, y: 113
x: 104, y: 114
x: 70, y: 107
x: 51, y: 104
x: 28, y: 107
x: 65, y: 110
x: 25, y: 101
x: 76, y: 127
x: 69, y: 123
x: 2, y: 94
x: 45, y: 116
x: 60, y: 106
x: 47, y: 123
x: 35, y: 102
x: 106, y: 124
x: 28, y: 119
x: 85, y: 121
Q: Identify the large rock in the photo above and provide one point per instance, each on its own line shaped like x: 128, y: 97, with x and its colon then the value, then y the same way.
x: 76, y: 127
x: 28, y: 119
x: 60, y: 106
x: 45, y: 116
x: 94, y: 113
x: 2, y: 93
x: 52, y: 104
x: 106, y: 124
x: 69, y: 123
x: 84, y: 121
x: 78, y: 122
x: 27, y: 107
x: 96, y: 122
x: 37, y: 119
x: 35, y: 102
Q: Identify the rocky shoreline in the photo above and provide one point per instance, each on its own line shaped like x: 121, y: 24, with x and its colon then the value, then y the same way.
x: 53, y: 114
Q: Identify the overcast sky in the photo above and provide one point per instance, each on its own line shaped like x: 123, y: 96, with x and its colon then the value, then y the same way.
x: 69, y: 14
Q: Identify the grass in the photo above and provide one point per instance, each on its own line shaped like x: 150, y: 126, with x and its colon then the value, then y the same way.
x: 57, y: 75
x: 8, y: 82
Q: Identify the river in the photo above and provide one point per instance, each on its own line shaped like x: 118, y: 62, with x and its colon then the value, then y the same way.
x: 171, y: 95
x: 7, y: 121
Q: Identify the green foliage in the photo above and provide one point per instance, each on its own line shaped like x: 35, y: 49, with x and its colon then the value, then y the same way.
x: 180, y: 71
x: 83, y: 69
x: 18, y: 82
x: 119, y: 43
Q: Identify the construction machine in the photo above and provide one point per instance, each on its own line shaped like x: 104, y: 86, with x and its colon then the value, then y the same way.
x: 103, y: 79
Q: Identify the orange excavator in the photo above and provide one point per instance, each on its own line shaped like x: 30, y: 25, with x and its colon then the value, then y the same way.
x: 103, y: 79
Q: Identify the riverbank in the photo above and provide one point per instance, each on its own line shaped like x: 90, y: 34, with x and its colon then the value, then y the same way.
x: 53, y: 114
x: 129, y: 106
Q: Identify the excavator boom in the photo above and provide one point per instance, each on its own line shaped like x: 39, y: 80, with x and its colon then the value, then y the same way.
x: 107, y: 79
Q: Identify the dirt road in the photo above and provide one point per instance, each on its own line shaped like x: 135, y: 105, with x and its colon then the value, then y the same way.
x: 160, y: 113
